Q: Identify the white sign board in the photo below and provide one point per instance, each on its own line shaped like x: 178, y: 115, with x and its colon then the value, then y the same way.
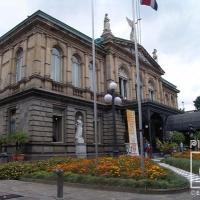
x: 132, y: 146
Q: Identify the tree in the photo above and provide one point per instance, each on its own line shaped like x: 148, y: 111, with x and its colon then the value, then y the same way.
x: 178, y: 137
x: 197, y: 103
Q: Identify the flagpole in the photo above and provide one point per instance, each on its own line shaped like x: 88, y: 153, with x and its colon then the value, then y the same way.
x: 139, y: 22
x: 94, y: 82
x: 138, y: 90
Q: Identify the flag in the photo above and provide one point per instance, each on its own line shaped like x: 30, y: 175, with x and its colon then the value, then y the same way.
x: 151, y: 3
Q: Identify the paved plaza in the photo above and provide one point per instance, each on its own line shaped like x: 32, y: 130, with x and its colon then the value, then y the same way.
x: 39, y: 191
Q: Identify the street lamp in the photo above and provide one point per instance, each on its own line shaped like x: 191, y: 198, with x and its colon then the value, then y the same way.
x: 111, y: 98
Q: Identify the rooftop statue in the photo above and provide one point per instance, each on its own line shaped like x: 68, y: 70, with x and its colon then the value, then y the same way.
x: 130, y: 22
x: 107, y: 29
x: 155, y: 57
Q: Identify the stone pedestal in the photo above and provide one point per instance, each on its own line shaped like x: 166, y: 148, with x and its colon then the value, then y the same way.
x: 81, y: 150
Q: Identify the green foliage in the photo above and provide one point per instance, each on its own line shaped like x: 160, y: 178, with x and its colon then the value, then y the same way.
x: 198, y: 135
x: 197, y: 103
x: 172, y: 180
x: 165, y: 147
x: 184, y: 163
x: 19, y: 139
x: 39, y: 170
x: 3, y: 141
x: 177, y: 137
x: 15, y: 170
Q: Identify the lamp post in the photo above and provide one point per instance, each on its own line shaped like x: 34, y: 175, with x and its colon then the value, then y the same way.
x: 114, y: 100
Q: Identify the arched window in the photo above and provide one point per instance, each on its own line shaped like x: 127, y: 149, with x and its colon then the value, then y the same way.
x: 19, y: 62
x: 56, y: 65
x: 123, y: 83
x: 151, y: 91
x: 76, y: 71
x: 90, y: 68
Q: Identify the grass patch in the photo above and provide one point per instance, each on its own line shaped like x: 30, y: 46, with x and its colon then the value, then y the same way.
x: 183, y: 163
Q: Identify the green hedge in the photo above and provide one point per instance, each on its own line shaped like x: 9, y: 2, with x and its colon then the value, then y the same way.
x: 171, y: 181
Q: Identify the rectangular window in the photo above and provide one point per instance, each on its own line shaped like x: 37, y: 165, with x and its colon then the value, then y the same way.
x: 12, y: 121
x: 57, y: 128
x: 123, y: 87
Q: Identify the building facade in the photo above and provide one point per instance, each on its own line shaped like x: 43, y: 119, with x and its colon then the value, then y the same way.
x: 46, y: 85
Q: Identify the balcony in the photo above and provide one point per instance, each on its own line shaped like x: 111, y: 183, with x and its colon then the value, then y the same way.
x: 58, y: 87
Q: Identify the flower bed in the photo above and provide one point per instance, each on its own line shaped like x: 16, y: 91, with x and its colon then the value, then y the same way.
x: 123, y: 166
x: 123, y: 171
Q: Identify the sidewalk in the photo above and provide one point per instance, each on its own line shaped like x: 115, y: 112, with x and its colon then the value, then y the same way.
x: 39, y: 191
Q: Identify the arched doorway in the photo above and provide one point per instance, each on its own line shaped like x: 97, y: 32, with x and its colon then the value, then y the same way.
x: 156, y: 129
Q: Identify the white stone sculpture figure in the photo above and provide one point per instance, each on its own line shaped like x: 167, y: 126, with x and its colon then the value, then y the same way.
x: 79, y: 130
x: 130, y: 22
x: 106, y: 23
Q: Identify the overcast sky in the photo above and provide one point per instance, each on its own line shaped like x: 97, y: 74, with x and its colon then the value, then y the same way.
x: 174, y: 30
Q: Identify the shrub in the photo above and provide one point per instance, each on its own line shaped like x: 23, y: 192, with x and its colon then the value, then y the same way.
x: 165, y: 147
x: 14, y: 170
x: 19, y: 139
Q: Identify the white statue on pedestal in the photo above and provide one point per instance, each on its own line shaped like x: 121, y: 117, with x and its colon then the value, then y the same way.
x: 106, y: 23
x: 79, y: 130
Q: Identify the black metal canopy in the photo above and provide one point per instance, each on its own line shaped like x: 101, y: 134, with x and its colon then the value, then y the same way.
x: 182, y: 122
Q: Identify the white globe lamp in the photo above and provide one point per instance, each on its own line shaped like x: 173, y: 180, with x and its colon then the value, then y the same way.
x: 118, y: 101
x: 108, y: 98
x: 112, y: 85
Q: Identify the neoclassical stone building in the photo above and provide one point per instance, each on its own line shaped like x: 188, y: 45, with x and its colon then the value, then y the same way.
x: 46, y: 83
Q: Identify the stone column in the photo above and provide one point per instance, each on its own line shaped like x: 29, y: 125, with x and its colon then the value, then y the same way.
x: 158, y: 90
x: 109, y: 68
x: 84, y: 69
x: 12, y: 67
x: 161, y: 93
x: 98, y: 75
x: 24, y: 64
x: 115, y: 70
x: 47, y: 70
x: 64, y: 66
x: 102, y: 78
x: 37, y: 55
x: 69, y: 64
x: 146, y: 86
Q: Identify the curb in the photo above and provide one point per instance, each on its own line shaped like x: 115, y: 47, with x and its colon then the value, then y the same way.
x: 111, y: 188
